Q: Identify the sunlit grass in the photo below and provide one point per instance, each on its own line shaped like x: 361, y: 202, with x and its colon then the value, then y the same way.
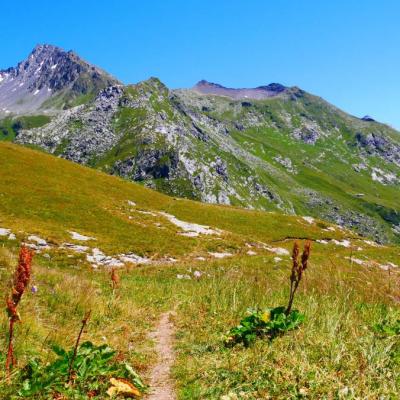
x: 334, y: 354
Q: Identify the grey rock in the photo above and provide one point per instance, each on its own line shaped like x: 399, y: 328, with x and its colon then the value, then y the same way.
x: 380, y: 145
x: 221, y: 168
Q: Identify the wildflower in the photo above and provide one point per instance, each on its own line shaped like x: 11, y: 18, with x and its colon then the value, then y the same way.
x: 114, y: 279
x: 71, y: 374
x: 303, y: 391
x: 266, y: 316
x: 344, y: 391
x: 34, y: 289
x: 21, y: 279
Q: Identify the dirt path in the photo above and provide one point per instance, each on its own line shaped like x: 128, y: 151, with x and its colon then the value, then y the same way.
x: 161, y: 385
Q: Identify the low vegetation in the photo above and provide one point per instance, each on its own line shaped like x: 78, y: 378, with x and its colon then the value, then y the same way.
x: 9, y: 127
x: 345, y: 345
x: 273, y: 321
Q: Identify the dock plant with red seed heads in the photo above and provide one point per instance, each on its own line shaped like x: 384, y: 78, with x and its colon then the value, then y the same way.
x: 20, y: 283
x: 114, y: 279
x: 273, y: 321
x: 298, y: 267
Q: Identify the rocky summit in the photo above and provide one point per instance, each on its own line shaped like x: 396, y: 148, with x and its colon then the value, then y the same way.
x: 49, y: 78
x: 272, y: 147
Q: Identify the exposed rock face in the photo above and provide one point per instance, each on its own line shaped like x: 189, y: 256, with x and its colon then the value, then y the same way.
x: 307, y: 135
x: 79, y: 134
x: 330, y: 210
x: 47, y: 72
x: 287, y: 163
x: 149, y: 164
x: 379, y: 144
x: 221, y: 168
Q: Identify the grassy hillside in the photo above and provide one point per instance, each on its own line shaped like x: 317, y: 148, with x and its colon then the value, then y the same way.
x: 350, y: 285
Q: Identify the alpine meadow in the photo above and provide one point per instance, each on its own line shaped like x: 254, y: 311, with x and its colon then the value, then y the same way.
x: 207, y: 242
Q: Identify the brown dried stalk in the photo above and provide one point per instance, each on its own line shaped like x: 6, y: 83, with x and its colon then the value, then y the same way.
x: 78, y: 339
x: 21, y: 279
x: 298, y: 267
x: 114, y: 279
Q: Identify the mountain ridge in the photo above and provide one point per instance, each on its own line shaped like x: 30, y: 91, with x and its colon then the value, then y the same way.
x: 288, y: 151
x: 258, y: 93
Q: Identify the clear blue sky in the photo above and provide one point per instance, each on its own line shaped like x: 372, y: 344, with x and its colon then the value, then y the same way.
x: 345, y: 51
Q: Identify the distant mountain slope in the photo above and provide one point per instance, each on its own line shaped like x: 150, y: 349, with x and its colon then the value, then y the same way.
x: 49, y: 78
x: 52, y: 198
x: 288, y: 151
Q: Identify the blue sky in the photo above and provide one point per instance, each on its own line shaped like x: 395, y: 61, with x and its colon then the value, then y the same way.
x: 347, y: 52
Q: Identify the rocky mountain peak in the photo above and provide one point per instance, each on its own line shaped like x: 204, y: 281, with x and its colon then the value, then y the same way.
x: 47, y: 71
x: 273, y: 87
x: 258, y: 93
x: 367, y: 118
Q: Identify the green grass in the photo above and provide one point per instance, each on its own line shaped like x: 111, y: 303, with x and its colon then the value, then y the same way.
x: 335, y: 348
x: 10, y: 126
x: 335, y: 354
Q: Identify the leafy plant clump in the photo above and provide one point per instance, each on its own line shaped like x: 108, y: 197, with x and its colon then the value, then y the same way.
x: 273, y: 321
x: 269, y: 322
x: 387, y: 328
x: 96, y: 373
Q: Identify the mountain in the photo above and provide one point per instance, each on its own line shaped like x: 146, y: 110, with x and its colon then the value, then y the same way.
x: 271, y: 148
x: 49, y: 78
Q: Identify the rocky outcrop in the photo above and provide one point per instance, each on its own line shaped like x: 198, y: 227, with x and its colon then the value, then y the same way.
x: 380, y: 145
x: 367, y: 118
x: 148, y: 164
x: 80, y: 134
x: 307, y: 135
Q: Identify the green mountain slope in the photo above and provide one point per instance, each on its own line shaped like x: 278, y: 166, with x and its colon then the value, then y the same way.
x: 291, y: 152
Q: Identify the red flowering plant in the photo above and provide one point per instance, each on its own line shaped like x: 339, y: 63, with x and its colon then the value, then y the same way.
x: 22, y: 276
